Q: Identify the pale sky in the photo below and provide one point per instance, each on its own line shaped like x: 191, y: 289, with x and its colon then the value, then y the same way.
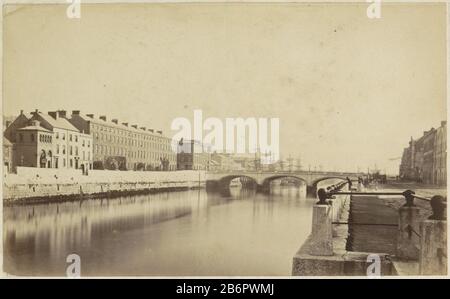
x: 349, y: 90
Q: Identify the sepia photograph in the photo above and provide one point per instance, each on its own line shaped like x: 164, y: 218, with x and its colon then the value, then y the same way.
x: 153, y: 139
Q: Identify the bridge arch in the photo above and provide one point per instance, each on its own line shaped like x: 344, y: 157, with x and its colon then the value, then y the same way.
x: 265, y: 185
x: 222, y: 184
x: 226, y: 180
x: 269, y: 179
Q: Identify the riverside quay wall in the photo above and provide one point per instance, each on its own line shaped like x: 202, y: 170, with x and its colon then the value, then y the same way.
x: 40, y: 184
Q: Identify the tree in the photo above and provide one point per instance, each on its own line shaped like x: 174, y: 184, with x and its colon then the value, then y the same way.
x: 98, y: 165
x: 112, y: 164
x: 140, y: 166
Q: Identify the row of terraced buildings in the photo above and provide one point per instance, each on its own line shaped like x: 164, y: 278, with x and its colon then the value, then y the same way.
x: 425, y: 158
x: 82, y: 141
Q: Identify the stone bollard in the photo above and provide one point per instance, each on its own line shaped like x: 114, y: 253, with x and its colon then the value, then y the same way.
x: 433, y: 247
x: 433, y: 240
x: 321, y: 236
x: 407, y: 221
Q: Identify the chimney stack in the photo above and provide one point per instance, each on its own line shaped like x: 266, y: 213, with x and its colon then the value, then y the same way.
x: 443, y: 123
x: 62, y: 113
x: 125, y: 124
x: 151, y: 130
x: 103, y: 117
x: 76, y: 112
x: 134, y: 126
x: 159, y: 132
x: 143, y: 128
x: 116, y: 121
x: 53, y: 114
x: 90, y: 115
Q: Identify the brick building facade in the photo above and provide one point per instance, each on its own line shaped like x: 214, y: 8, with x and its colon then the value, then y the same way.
x: 193, y: 155
x: 425, y: 159
x: 124, y: 146
x: 48, y: 141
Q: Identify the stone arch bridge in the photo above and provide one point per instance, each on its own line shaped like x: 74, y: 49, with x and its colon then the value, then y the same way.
x: 262, y: 179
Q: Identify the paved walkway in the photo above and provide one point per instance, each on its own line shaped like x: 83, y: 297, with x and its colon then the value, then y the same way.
x: 372, y: 238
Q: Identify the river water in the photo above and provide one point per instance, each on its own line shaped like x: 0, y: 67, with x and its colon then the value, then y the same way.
x: 182, y: 233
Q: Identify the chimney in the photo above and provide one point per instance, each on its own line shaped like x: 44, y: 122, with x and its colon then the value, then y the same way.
x: 443, y: 123
x: 21, y: 112
x: 62, y: 113
x: 125, y: 124
x: 103, y: 117
x: 76, y: 112
x: 134, y: 126
x: 159, y: 132
x: 151, y: 130
x: 116, y: 121
x: 143, y: 128
x: 53, y: 114
x: 90, y: 115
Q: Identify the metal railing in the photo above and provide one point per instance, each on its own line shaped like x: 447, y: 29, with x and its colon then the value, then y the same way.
x: 416, y: 239
x: 438, y: 203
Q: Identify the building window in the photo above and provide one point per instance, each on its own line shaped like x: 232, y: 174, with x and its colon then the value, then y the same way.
x: 57, y: 135
x: 64, y: 151
x: 76, y: 150
x: 63, y: 136
x: 32, y: 137
x: 71, y: 163
x: 57, y: 148
x: 70, y: 153
x: 70, y: 137
x: 20, y: 137
x: 76, y: 138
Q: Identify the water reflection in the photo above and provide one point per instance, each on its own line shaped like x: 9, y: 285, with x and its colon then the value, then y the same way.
x: 178, y: 233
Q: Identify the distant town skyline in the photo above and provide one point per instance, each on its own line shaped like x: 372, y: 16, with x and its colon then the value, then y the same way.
x: 349, y: 93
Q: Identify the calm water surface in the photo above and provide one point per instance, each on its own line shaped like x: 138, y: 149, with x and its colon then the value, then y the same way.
x: 176, y: 233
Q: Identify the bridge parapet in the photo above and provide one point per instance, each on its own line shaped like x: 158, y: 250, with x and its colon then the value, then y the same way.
x: 263, y: 178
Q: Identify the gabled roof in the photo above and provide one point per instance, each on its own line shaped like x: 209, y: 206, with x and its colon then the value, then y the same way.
x: 60, y: 122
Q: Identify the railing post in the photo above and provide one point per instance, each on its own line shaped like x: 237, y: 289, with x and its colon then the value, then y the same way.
x: 321, y: 235
x: 407, y: 223
x: 433, y: 241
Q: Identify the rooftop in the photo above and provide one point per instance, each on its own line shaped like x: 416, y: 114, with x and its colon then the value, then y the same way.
x: 34, y: 128
x: 118, y: 125
x: 59, y: 122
